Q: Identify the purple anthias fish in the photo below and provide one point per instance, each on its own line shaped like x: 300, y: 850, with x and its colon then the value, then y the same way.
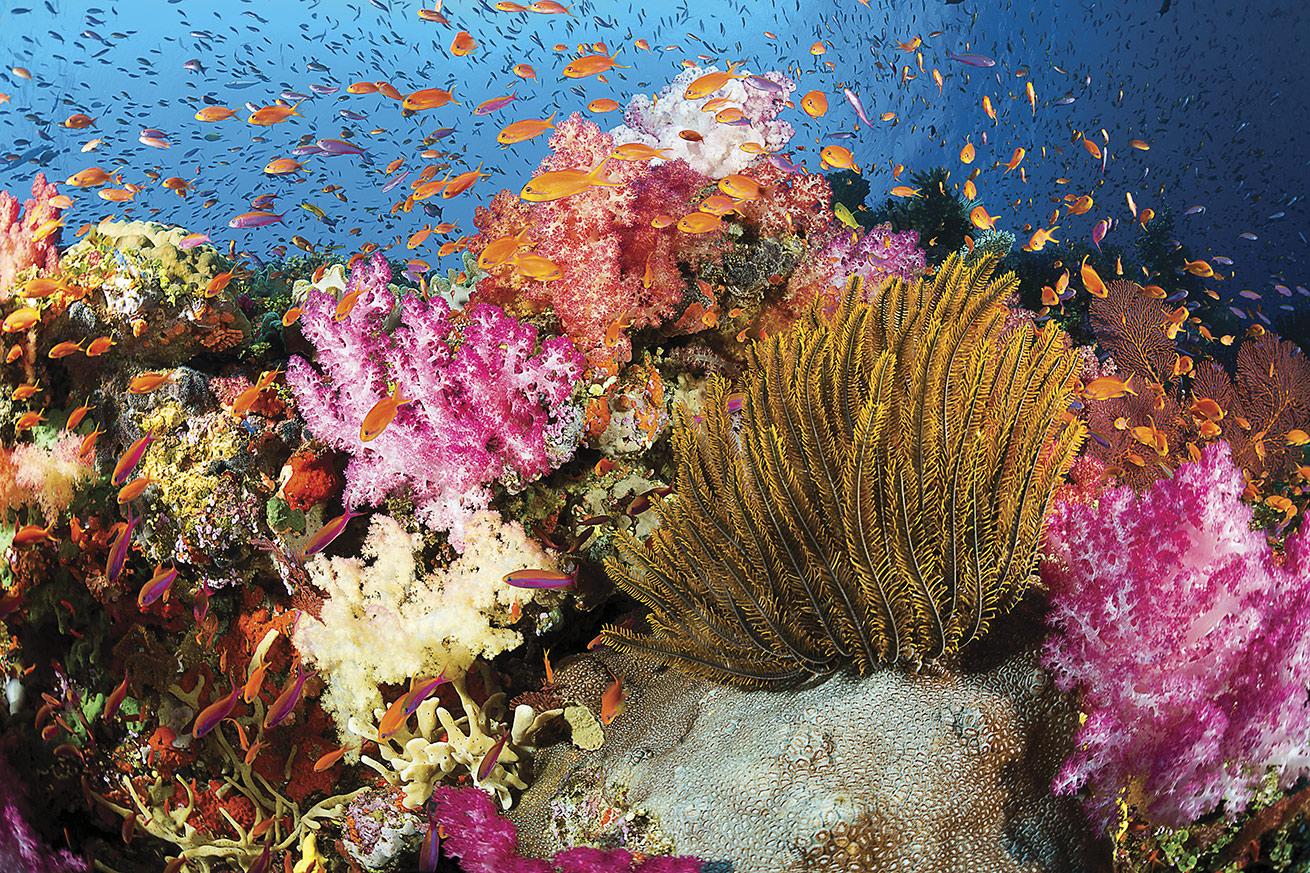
x: 337, y: 147
x: 393, y: 182
x: 539, y: 579
x: 154, y: 138
x: 211, y: 715
x: 783, y: 164
x: 300, y: 151
x: 254, y: 219
x: 350, y: 115
x: 263, y: 201
x: 760, y: 83
x: 118, y: 549
x: 157, y: 586
x: 193, y: 240
x: 325, y: 90
x: 972, y: 60
x: 1099, y: 230
x: 441, y: 133
x: 421, y: 693
x: 332, y: 529
x: 493, y: 755
x: 492, y: 105
x: 286, y: 701
x: 857, y: 106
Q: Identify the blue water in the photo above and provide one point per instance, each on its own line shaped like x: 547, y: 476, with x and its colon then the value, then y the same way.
x: 1217, y: 89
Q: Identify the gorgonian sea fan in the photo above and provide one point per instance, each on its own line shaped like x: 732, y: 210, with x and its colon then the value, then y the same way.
x: 1188, y: 641
x: 483, y: 386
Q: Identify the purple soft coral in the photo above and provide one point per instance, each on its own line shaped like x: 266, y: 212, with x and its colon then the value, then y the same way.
x: 1189, y: 642
x: 20, y: 846
x: 483, y: 392
x: 484, y: 842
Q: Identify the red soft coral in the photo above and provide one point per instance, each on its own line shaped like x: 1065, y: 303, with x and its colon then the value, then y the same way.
x: 602, y: 241
x: 314, y: 479
x: 18, y: 224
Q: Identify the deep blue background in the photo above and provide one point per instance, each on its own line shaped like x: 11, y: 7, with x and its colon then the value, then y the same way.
x: 1218, y: 89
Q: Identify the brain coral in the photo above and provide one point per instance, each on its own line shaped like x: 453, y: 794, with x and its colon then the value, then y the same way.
x: 898, y: 772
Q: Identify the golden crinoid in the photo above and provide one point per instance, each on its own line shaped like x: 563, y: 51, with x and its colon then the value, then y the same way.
x: 878, y: 498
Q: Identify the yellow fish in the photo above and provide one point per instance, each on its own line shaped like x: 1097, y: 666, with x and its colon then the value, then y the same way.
x: 558, y: 184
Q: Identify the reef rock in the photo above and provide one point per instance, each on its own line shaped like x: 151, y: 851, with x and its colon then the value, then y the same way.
x: 948, y: 773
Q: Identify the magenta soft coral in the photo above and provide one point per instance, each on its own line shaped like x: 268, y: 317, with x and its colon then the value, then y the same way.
x: 21, y: 848
x: 601, y: 239
x: 484, y: 390
x: 484, y: 842
x: 19, y: 222
x: 1187, y: 639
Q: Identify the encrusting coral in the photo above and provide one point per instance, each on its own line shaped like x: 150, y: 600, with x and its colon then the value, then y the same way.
x: 1188, y: 640
x: 878, y: 499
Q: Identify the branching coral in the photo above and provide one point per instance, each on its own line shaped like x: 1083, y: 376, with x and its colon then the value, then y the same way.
x: 1189, y: 643
x: 384, y: 622
x: 880, y: 498
x: 446, y: 745
x: 19, y: 224
x: 716, y: 152
x: 483, y: 392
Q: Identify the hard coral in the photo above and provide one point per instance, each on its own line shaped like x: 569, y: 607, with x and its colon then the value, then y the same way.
x: 19, y: 223
x: 1188, y: 640
x: 483, y: 392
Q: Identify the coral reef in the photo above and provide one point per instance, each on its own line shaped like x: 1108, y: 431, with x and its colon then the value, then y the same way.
x: 29, y: 234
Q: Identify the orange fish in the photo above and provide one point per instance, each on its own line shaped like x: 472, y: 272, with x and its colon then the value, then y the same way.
x: 700, y: 222
x: 267, y: 116
x: 537, y: 268
x: 1108, y: 388
x: 525, y: 71
x: 967, y: 153
x: 602, y: 104
x: 330, y: 758
x: 1092, y: 281
x: 839, y: 157
x: 815, y: 104
x: 590, y: 65
x: 462, y: 183
x: 382, y: 414
x: 638, y: 151
x: 904, y: 191
x: 20, y: 319
x: 499, y: 251
x: 521, y: 131
x: 709, y: 83
x: 463, y: 44
x: 215, y: 113
x: 145, y: 383
x: 740, y: 187
x: 558, y: 184
x: 427, y: 98
x: 611, y: 701
x: 90, y: 177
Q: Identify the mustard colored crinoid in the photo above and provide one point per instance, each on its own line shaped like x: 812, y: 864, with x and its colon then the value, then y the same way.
x: 880, y: 499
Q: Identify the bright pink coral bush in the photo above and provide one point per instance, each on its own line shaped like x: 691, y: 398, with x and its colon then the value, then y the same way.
x: 484, y: 842
x: 1188, y: 641
x: 486, y: 396
x: 19, y: 222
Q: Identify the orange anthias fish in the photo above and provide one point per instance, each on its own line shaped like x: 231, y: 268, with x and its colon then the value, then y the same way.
x: 266, y: 116
x: 427, y: 98
x: 590, y: 65
x: 710, y: 83
x: 638, y: 151
x: 611, y: 701
x: 521, y: 131
x: 1092, y: 281
x: 558, y: 184
x: 382, y: 414
x: 1108, y: 388
x: 463, y: 44
x: 215, y: 113
x: 839, y: 157
x: 499, y: 251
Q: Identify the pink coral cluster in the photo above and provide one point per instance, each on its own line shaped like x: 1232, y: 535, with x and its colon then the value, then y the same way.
x: 21, y: 848
x: 618, y: 271
x: 484, y: 842
x: 19, y: 223
x: 1188, y: 640
x: 484, y: 395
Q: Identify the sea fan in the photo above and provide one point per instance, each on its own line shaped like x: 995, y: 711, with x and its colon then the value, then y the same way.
x: 879, y: 497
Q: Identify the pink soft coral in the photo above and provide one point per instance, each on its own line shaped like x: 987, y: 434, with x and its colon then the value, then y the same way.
x: 484, y: 394
x: 1189, y: 643
x: 601, y: 239
x: 18, y: 223
x: 484, y: 842
x: 21, y: 848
